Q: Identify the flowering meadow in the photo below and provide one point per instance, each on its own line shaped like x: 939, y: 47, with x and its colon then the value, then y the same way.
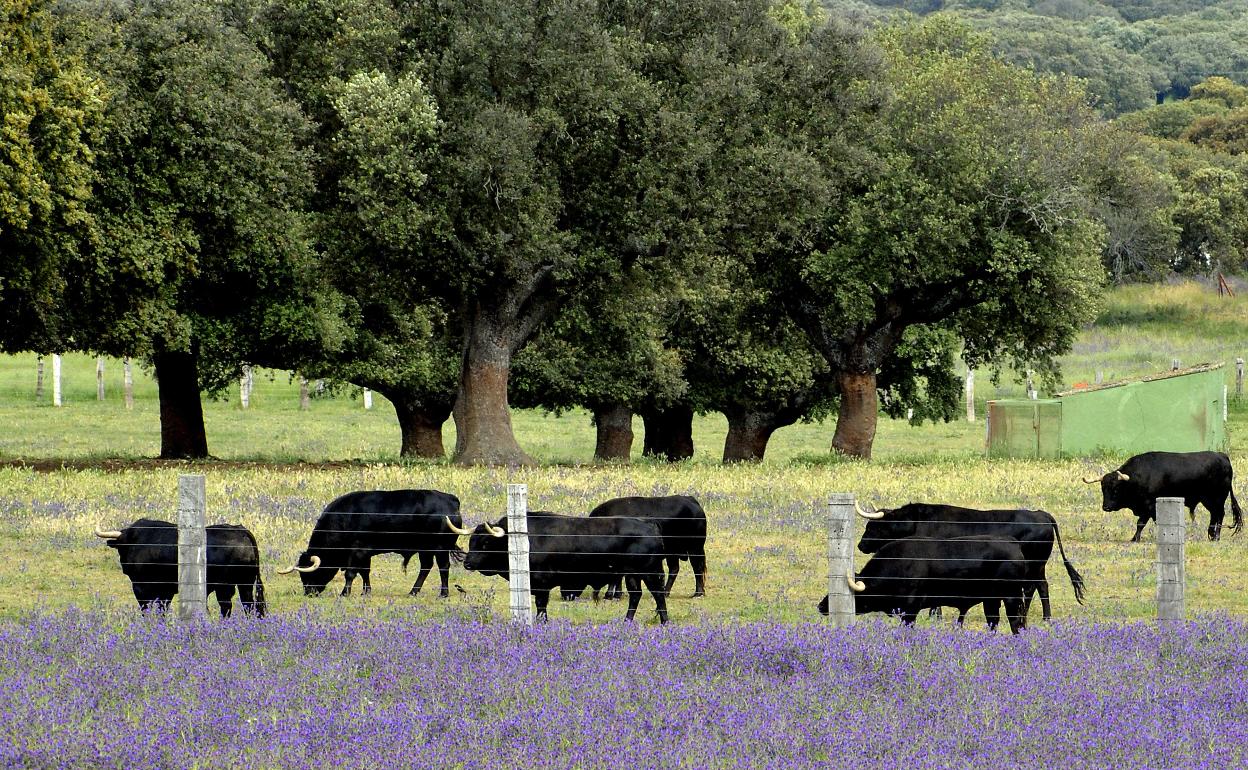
x: 94, y: 689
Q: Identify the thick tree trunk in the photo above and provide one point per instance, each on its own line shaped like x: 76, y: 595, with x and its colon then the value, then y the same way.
x: 182, y: 435
x: 748, y: 434
x: 484, y: 434
x: 420, y: 426
x: 669, y: 433
x: 615, y: 432
x: 855, y: 423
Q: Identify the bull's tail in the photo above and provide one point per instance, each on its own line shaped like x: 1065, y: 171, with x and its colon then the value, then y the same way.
x: 1237, y: 515
x: 1076, y: 580
x: 260, y: 606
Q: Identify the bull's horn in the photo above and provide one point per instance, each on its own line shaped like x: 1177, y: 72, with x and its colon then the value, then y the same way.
x: 110, y: 534
x: 855, y: 585
x: 865, y: 514
x: 495, y: 531
x: 312, y: 566
x: 1122, y: 476
x: 1090, y: 479
x: 455, y: 529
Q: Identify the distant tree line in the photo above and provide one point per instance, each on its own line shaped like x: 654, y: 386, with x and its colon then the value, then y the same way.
x: 637, y: 208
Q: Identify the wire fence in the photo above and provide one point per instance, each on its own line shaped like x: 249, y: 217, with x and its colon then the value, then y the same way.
x: 987, y: 561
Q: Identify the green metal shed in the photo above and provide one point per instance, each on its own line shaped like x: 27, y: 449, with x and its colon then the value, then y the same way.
x: 1177, y: 411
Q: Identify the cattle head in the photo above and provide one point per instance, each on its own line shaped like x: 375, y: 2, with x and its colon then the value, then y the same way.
x: 855, y: 585
x: 314, y: 576
x: 487, y: 549
x: 883, y: 527
x: 1117, y: 491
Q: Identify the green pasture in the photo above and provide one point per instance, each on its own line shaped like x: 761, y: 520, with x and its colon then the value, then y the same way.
x: 278, y: 465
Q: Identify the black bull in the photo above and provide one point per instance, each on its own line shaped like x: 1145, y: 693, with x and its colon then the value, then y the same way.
x: 681, y: 522
x: 148, y: 550
x: 359, y: 525
x: 575, y: 552
x: 1034, y: 531
x: 1202, y: 478
x: 915, y: 573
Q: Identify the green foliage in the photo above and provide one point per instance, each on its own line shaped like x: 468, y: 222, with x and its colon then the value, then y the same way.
x: 49, y: 105
x: 201, y: 182
x: 973, y: 216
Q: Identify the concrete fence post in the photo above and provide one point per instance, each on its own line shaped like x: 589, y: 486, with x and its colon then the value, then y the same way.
x: 99, y: 378
x: 970, y: 395
x: 518, y: 553
x: 1100, y: 377
x: 840, y: 558
x: 1031, y: 387
x: 56, y: 379
x: 192, y: 547
x: 1175, y: 364
x: 38, y: 378
x: 1171, y: 569
x: 1239, y: 378
x: 127, y: 383
x: 244, y: 387
x: 304, y: 402
x: 368, y: 399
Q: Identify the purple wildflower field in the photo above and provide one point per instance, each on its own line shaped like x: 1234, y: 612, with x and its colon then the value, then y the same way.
x: 100, y: 689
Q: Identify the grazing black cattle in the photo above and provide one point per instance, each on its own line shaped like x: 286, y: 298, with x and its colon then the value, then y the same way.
x: 1197, y: 477
x: 681, y: 521
x: 574, y: 551
x: 359, y: 525
x: 1034, y: 531
x: 148, y: 550
x: 915, y: 573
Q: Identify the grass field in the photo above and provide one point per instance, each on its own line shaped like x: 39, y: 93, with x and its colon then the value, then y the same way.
x: 278, y: 466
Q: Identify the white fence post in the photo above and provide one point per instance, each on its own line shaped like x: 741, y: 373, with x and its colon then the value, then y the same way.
x: 1171, y: 570
x: 244, y: 387
x: 1239, y: 378
x: 304, y: 402
x: 38, y: 378
x: 56, y: 379
x: 99, y: 378
x: 127, y: 383
x: 970, y: 395
x: 368, y: 399
x: 1031, y: 388
x: 1174, y: 364
x: 192, y: 547
x: 518, y: 552
x: 840, y: 558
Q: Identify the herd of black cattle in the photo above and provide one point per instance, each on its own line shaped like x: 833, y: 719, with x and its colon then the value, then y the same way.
x: 924, y: 556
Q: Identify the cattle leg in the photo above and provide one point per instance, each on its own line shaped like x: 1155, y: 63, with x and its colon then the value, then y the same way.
x: 697, y: 562
x: 660, y: 597
x: 225, y: 598
x: 992, y: 613
x: 443, y: 558
x: 426, y: 564
x: 613, y: 589
x: 365, y: 571
x: 246, y: 597
x: 541, y: 597
x: 634, y: 595
x: 1014, y: 615
x: 1139, y: 528
x: 673, y: 567
x: 1217, y: 512
x: 348, y: 577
